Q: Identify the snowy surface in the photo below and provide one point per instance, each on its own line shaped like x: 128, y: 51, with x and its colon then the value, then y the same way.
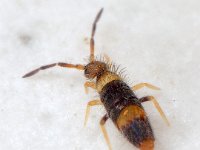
x: 157, y: 41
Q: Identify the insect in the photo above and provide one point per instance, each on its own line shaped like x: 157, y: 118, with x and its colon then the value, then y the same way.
x: 123, y: 107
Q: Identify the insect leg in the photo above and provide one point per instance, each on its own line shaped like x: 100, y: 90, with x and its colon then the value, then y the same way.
x: 89, y: 84
x: 102, y: 123
x: 141, y: 85
x: 77, y: 66
x: 92, y: 35
x: 156, y: 104
x: 91, y: 103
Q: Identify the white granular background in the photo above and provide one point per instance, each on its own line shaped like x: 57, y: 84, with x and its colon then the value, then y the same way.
x: 157, y: 41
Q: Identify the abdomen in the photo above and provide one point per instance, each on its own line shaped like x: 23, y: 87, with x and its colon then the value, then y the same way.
x: 127, y: 113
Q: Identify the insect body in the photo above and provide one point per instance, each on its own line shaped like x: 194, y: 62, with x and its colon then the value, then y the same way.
x: 119, y: 100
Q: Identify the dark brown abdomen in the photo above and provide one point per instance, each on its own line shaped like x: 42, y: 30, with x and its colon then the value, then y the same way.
x: 125, y: 110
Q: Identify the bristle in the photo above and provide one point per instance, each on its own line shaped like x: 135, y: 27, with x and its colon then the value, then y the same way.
x: 113, y: 67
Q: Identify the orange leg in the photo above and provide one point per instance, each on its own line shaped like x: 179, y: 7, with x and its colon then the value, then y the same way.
x: 156, y: 104
x: 78, y: 66
x: 89, y: 84
x: 103, y: 129
x: 92, y: 35
x: 91, y: 103
x: 141, y: 85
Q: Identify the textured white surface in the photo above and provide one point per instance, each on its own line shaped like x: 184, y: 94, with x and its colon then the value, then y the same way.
x: 157, y: 41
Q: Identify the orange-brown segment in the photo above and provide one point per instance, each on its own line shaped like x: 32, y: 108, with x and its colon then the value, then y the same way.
x: 128, y: 114
x: 147, y: 145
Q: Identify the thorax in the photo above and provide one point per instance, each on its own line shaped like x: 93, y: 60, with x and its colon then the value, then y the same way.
x: 106, y: 78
